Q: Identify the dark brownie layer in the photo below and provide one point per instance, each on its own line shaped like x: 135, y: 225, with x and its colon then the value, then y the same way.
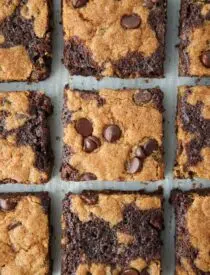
x: 79, y: 58
x: 36, y: 132
x: 191, y: 218
x: 95, y: 243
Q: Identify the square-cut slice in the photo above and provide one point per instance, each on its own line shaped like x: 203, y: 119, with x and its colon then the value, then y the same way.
x: 192, y: 231
x: 194, y: 50
x: 114, y: 38
x: 25, y: 40
x: 193, y: 132
x: 112, y: 232
x: 113, y: 135
x: 25, y: 148
x: 25, y: 233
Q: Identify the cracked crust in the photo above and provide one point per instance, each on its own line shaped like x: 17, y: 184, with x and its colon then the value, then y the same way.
x: 24, y: 242
x: 91, y: 31
x: 193, y: 124
x: 115, y: 245
x: 25, y: 150
x: 25, y: 40
x: 194, y: 37
x: 192, y: 231
x: 109, y: 160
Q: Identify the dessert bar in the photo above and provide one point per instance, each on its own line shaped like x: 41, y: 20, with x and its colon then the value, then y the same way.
x: 112, y: 232
x: 113, y: 135
x: 125, y: 39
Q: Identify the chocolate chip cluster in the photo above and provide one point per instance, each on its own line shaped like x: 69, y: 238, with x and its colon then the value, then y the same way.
x: 7, y: 204
x: 130, y: 271
x: 112, y: 133
x: 84, y: 127
x: 135, y: 164
x: 205, y: 59
x: 79, y: 3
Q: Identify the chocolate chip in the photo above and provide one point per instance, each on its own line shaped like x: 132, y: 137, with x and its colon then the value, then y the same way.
x: 112, y: 133
x: 140, y: 153
x: 91, y: 143
x: 13, y: 225
x: 84, y: 127
x: 134, y: 165
x: 79, y: 3
x: 150, y: 146
x: 131, y: 21
x: 142, y: 96
x: 130, y: 271
x: 205, y: 59
x: 89, y: 198
x: 150, y: 3
x: 88, y: 176
x: 144, y: 272
x: 7, y: 204
x: 207, y: 16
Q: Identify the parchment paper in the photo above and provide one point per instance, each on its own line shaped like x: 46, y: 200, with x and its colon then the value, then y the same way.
x: 54, y: 88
